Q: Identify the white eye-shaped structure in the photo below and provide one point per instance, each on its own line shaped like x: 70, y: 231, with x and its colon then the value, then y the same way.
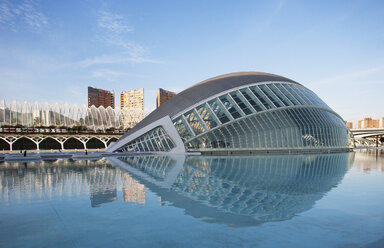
x: 241, y: 112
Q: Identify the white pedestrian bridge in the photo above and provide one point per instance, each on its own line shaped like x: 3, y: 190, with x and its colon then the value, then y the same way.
x: 369, y: 136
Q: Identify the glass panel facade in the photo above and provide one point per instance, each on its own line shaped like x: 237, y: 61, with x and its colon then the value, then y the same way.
x: 182, y: 128
x: 295, y: 94
x: 237, y: 97
x: 194, y: 122
x: 261, y: 97
x: 279, y: 95
x: 219, y: 111
x: 271, y: 96
x: 301, y: 93
x: 252, y: 100
x: 153, y: 141
x: 297, y: 128
x: 230, y: 107
x: 315, y: 99
x: 288, y: 95
x: 206, y: 116
x: 286, y: 128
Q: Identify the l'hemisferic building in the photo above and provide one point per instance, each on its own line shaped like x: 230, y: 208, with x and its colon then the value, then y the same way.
x: 245, y: 112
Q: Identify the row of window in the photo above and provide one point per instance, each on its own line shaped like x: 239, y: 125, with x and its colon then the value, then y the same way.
x: 155, y: 140
x: 242, y: 102
x: 285, y: 128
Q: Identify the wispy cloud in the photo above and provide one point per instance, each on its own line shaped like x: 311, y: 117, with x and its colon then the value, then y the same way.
x: 116, y: 32
x: 113, y: 23
x: 14, y: 15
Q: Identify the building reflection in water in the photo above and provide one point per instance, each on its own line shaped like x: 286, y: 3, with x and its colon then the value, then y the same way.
x: 133, y: 191
x: 61, y: 177
x: 240, y: 191
x: 237, y: 191
x: 46, y: 179
x: 102, y: 185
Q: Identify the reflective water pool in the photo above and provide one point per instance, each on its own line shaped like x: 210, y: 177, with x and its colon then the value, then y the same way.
x: 328, y: 200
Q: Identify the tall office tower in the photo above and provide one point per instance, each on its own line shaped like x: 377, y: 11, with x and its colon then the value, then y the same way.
x: 163, y: 96
x: 349, y: 124
x: 99, y: 97
x: 132, y: 99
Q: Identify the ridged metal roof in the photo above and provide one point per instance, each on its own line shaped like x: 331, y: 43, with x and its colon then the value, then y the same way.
x: 204, y: 90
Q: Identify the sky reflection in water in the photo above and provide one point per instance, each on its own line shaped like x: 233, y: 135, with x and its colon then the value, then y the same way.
x: 187, y: 201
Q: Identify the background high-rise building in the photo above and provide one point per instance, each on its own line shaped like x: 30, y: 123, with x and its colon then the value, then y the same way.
x: 368, y: 123
x: 99, y: 97
x: 375, y: 123
x: 163, y: 96
x: 133, y: 99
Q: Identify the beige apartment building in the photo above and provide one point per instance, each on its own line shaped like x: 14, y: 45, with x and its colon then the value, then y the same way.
x: 132, y: 99
x: 132, y: 107
x: 368, y: 122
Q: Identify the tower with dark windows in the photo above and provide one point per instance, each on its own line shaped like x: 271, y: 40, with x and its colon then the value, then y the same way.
x: 241, y: 112
x: 99, y: 97
x: 162, y: 96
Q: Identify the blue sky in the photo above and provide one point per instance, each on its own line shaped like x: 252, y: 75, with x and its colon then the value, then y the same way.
x: 50, y: 51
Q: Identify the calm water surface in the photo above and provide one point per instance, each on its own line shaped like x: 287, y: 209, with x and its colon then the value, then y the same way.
x: 334, y: 200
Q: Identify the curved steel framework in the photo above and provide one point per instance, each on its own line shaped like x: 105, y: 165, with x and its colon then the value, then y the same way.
x: 273, y: 115
x: 154, y: 140
x: 261, y: 116
x: 36, y: 114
